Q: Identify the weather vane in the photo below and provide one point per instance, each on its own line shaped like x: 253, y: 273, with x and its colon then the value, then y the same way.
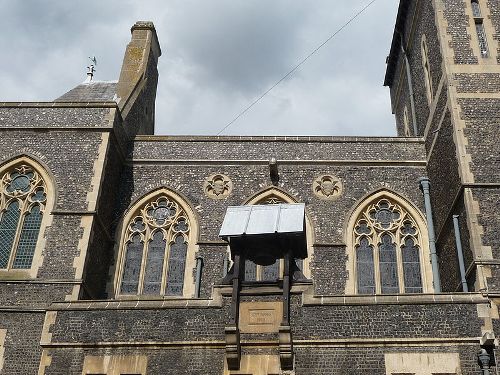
x: 91, y: 69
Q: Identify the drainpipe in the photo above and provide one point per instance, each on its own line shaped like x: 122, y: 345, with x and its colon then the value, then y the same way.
x: 460, y: 253
x: 425, y: 185
x: 410, y: 86
x: 199, y: 266
x: 484, y: 361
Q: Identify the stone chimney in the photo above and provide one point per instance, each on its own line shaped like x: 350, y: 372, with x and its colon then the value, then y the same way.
x: 136, y: 89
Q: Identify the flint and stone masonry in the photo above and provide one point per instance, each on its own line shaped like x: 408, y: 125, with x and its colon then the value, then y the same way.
x: 98, y: 297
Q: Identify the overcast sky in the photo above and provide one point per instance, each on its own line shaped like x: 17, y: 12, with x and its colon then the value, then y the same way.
x: 218, y: 56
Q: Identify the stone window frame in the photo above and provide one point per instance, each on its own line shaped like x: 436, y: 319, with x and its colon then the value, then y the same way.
x: 480, y: 28
x: 406, y: 122
x: 3, y: 335
x: 351, y: 238
x: 47, y: 217
x: 115, y: 365
x: 123, y: 234
x: 426, y: 66
x: 274, y: 195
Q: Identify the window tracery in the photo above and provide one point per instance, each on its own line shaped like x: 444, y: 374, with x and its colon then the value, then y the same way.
x: 22, y: 205
x: 155, y: 248
x: 388, y: 250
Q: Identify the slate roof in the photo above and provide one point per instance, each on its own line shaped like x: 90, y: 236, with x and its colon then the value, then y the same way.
x: 91, y: 92
x: 392, y: 59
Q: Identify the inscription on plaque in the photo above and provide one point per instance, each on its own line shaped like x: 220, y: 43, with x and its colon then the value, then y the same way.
x: 260, y: 317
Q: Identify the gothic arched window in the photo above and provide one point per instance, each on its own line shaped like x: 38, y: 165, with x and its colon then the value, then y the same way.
x: 154, y: 251
x: 388, y: 249
x: 22, y: 205
x: 427, y: 69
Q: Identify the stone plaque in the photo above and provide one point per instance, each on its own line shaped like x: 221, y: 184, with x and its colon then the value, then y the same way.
x: 260, y: 317
x: 256, y: 365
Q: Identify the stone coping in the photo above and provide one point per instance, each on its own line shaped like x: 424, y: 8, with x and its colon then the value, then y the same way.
x: 331, y: 343
x: 399, y: 299
x: 307, y: 300
x: 88, y: 104
x: 360, y: 162
x: 272, y: 138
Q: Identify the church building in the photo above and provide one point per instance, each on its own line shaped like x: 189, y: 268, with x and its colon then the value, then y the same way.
x: 123, y: 252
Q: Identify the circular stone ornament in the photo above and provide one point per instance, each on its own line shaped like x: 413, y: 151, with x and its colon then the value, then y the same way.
x: 327, y: 187
x: 217, y: 186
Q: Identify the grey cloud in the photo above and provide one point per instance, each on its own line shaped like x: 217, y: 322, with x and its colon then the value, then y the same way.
x: 218, y: 56
x: 239, y: 46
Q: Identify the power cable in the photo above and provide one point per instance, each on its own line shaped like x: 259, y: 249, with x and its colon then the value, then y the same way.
x: 295, y: 67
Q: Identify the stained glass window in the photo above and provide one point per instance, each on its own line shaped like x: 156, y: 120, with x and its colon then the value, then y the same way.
x: 480, y: 31
x: 154, y: 264
x: 250, y: 271
x: 271, y: 272
x: 387, y: 250
x: 364, y: 263
x: 388, y: 265
x: 427, y: 70
x: 481, y: 36
x: 22, y: 203
x: 28, y: 238
x: 176, y: 265
x: 132, y: 269
x: 155, y: 249
x: 476, y: 10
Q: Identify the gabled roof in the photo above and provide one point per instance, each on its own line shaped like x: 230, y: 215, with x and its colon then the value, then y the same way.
x: 93, y: 91
x: 392, y: 60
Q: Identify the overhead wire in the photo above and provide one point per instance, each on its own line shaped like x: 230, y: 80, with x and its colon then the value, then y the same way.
x: 302, y: 62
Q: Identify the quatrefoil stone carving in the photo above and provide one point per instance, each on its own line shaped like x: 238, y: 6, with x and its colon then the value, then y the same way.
x: 217, y: 186
x: 327, y: 187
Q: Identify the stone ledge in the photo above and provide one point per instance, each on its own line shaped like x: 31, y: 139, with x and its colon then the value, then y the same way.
x: 299, y: 139
x: 96, y: 104
x: 401, y: 299
x: 46, y: 129
x: 124, y: 304
x: 333, y: 343
x: 368, y: 163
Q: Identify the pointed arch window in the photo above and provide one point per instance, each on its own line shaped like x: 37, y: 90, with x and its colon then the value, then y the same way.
x: 274, y: 272
x: 155, y: 249
x: 387, y: 250
x: 480, y: 30
x: 22, y: 206
x: 427, y: 69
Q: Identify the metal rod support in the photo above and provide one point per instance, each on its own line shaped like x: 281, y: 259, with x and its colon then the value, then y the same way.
x: 235, y: 304
x: 460, y: 253
x: 286, y: 290
x: 426, y: 185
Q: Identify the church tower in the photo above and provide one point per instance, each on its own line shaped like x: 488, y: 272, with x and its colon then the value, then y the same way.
x: 443, y: 72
